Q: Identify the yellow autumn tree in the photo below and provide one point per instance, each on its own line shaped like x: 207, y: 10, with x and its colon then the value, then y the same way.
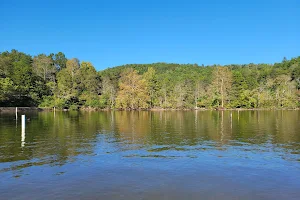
x: 133, y: 92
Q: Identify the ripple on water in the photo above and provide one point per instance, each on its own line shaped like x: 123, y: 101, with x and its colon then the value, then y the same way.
x: 106, y: 149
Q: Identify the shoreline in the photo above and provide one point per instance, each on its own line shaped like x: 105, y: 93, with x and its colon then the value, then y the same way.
x: 20, y: 109
x: 23, y: 109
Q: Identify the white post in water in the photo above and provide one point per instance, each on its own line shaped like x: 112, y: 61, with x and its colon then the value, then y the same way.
x: 231, y: 120
x: 16, y: 113
x: 23, y: 131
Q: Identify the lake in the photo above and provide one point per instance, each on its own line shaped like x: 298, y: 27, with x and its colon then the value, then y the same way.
x: 151, y: 155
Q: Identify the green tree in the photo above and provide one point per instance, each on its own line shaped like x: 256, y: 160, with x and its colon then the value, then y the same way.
x: 43, y: 66
x: 6, y: 89
x: 59, y: 60
x: 68, y: 84
x: 72, y: 66
x: 89, y: 85
x: 151, y: 82
x: 237, y: 94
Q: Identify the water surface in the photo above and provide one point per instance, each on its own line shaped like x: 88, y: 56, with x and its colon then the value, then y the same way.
x: 151, y: 155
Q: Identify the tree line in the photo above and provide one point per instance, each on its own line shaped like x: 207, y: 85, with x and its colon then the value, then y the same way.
x: 56, y: 81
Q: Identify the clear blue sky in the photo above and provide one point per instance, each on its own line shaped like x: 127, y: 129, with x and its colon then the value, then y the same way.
x: 114, y: 32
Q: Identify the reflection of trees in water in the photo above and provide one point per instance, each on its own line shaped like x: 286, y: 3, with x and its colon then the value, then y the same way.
x: 50, y: 139
x: 192, y: 127
x: 57, y: 139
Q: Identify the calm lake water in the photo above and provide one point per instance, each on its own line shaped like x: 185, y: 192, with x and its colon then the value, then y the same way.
x: 151, y: 155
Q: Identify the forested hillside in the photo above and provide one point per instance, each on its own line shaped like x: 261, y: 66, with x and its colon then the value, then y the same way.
x: 56, y: 81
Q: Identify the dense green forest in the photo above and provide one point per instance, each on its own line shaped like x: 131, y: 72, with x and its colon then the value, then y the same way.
x: 56, y: 81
